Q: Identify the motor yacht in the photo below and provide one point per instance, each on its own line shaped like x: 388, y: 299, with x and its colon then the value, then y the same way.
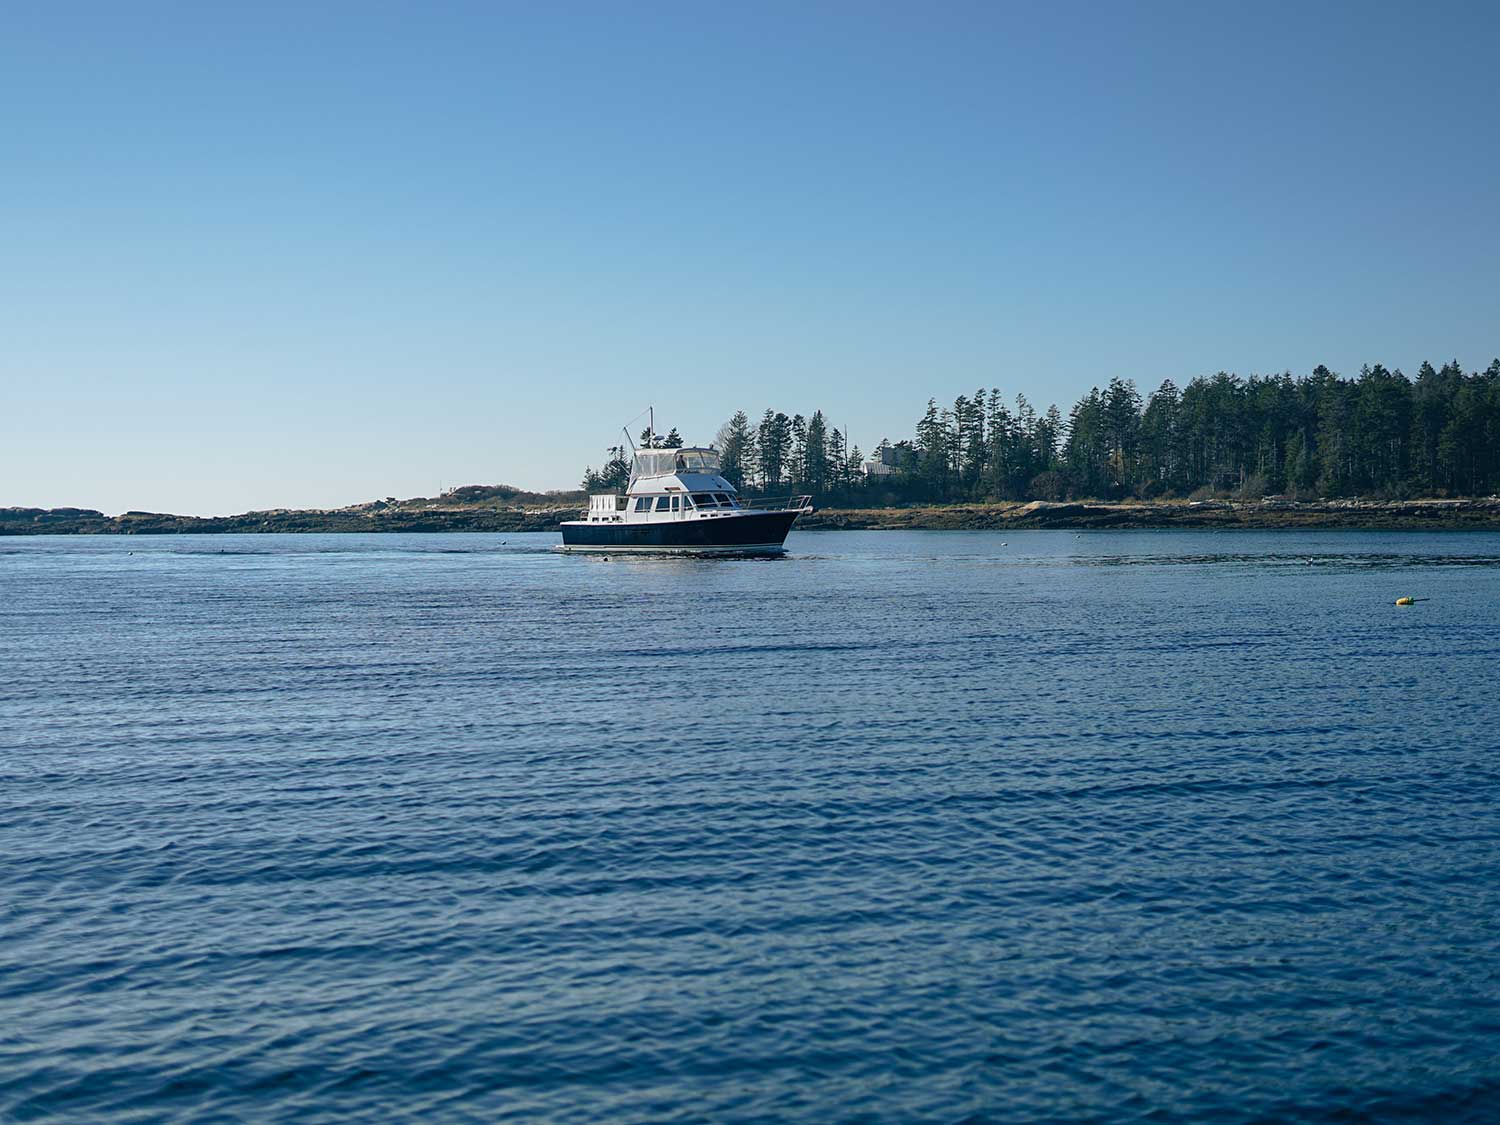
x: 679, y: 502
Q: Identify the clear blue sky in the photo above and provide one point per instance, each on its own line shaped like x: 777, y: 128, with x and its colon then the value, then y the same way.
x: 309, y: 254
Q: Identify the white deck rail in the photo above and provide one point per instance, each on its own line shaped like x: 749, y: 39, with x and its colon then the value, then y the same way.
x: 778, y: 504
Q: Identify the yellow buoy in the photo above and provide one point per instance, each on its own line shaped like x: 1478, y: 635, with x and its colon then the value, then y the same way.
x: 1405, y: 601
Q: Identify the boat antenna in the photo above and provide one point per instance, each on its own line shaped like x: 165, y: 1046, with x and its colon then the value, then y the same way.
x: 650, y: 429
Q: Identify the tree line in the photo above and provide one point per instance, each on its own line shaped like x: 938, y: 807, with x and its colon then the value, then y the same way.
x: 779, y: 452
x: 1380, y: 434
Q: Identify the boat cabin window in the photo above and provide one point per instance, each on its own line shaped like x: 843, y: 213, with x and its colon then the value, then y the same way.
x: 663, y: 503
x: 704, y: 500
x: 723, y: 499
x: 643, y: 504
x: 699, y: 460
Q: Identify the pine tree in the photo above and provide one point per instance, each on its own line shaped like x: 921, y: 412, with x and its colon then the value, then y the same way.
x: 1431, y: 399
x: 1049, y: 434
x: 1160, y: 438
x: 1025, y: 460
x: 734, y: 442
x: 650, y: 440
x: 1087, y: 448
x: 1122, y: 427
x: 933, y: 446
x: 616, y: 474
x: 773, y: 441
x: 614, y: 477
x: 797, y: 459
x: 1335, y: 431
x: 836, y: 457
x: 853, y: 467
x: 1382, y: 421
x: 969, y: 452
x: 815, y: 453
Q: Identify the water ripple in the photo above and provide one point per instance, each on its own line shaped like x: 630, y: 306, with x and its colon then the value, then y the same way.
x: 905, y: 827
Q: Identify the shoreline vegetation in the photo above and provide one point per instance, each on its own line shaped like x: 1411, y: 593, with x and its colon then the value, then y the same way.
x: 1380, y: 451
x: 1317, y: 437
x: 447, y: 514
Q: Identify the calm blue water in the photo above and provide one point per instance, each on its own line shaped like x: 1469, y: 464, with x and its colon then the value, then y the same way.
x: 907, y: 826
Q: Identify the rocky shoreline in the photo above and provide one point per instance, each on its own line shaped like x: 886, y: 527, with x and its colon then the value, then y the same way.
x: 1424, y: 515
x: 1369, y: 515
x: 78, y: 521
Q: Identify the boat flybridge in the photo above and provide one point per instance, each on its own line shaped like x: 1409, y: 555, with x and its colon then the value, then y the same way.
x: 679, y: 502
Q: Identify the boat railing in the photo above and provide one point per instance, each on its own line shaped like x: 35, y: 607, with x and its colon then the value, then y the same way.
x: 777, y: 503
x: 741, y: 503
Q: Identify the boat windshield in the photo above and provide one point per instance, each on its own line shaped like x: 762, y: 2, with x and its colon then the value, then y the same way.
x: 660, y: 462
x: 653, y: 462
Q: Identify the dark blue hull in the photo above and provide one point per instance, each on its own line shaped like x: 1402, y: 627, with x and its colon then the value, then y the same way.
x: 753, y: 533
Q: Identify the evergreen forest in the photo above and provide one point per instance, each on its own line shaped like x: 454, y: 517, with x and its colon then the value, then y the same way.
x: 1381, y: 434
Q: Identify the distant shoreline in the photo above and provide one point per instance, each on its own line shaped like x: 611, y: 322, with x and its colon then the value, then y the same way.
x: 1367, y: 515
x: 1370, y: 515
